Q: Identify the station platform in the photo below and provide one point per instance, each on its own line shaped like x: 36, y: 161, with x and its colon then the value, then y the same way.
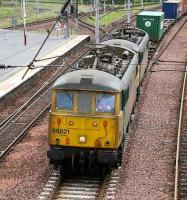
x: 23, y: 55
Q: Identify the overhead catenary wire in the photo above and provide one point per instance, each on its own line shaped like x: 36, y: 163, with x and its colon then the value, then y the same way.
x: 167, y: 63
x: 31, y: 64
x: 4, y: 67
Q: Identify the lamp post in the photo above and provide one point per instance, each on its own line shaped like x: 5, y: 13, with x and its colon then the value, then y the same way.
x: 37, y: 9
x: 97, y: 21
x: 129, y: 12
x: 142, y: 6
x: 24, y: 23
x: 104, y: 12
x: 76, y: 15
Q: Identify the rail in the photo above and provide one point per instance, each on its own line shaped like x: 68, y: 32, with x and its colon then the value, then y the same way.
x: 19, y: 120
x: 179, y: 138
x: 7, y: 147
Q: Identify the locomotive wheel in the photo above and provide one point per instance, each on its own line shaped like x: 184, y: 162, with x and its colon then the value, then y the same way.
x: 120, y: 155
x: 65, y: 168
x: 104, y: 168
x: 62, y: 171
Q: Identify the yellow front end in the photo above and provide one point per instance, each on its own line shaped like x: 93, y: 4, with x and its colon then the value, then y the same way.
x: 83, y: 131
x: 88, y: 122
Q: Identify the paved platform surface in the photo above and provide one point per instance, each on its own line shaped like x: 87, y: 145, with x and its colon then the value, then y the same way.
x: 13, y: 52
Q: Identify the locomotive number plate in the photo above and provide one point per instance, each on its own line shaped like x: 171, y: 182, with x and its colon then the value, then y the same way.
x: 62, y: 131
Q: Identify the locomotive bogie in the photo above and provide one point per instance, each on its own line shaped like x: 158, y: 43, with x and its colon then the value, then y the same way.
x: 57, y: 154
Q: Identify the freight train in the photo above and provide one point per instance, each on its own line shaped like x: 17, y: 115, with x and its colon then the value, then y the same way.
x: 92, y: 104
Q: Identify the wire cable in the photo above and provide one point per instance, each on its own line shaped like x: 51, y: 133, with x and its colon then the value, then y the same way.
x: 57, y: 19
x: 4, y: 67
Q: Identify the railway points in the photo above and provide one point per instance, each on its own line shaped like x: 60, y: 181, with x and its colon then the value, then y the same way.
x: 22, y: 55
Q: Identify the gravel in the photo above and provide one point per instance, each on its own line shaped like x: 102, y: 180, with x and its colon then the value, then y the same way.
x: 25, y: 170
x: 149, y: 167
x: 148, y: 170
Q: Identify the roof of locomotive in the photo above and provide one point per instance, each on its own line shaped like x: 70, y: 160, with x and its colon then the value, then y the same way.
x: 113, y: 59
x: 106, y: 67
x: 123, y: 43
x: 89, y: 79
x: 134, y: 38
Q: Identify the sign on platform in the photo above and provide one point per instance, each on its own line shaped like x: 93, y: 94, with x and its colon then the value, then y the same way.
x: 58, y: 26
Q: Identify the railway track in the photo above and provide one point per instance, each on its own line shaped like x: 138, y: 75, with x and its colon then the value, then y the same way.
x: 88, y: 26
x: 108, y: 30
x: 20, y: 122
x: 71, y: 188
x: 83, y: 187
x: 80, y: 187
x: 40, y: 22
x: 180, y: 191
x: 181, y: 156
x: 31, y: 23
x: 13, y: 127
x: 23, y: 118
x: 110, y: 184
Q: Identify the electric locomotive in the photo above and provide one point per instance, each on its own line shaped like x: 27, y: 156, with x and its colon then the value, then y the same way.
x: 92, y: 104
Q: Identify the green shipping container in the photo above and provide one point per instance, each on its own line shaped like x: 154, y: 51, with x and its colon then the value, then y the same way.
x: 152, y: 22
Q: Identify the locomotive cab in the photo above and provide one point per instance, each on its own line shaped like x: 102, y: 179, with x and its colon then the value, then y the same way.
x: 84, y: 102
x: 85, y: 121
x: 81, y: 119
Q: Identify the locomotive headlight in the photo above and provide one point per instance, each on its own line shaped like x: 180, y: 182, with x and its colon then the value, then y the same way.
x: 94, y: 124
x: 82, y: 139
x: 70, y: 122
